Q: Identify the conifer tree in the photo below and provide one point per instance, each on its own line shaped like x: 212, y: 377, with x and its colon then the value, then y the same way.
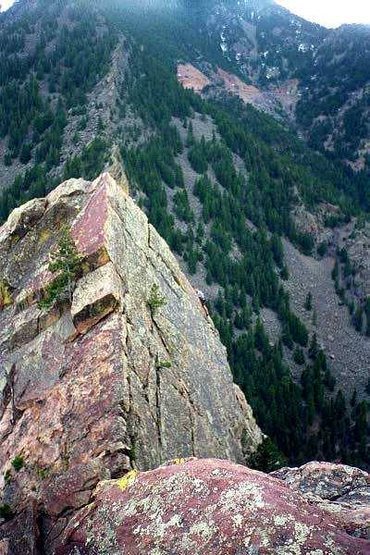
x: 65, y: 263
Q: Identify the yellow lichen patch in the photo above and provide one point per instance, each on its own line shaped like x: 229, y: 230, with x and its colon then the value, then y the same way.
x: 179, y: 461
x: 85, y: 268
x: 127, y: 480
x: 14, y: 239
x: 5, y: 295
x: 44, y: 236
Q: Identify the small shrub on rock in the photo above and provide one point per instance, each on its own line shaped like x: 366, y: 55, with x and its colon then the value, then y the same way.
x: 65, y: 263
x: 18, y: 463
x: 156, y: 300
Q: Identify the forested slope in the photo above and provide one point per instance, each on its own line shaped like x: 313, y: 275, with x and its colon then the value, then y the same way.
x: 220, y: 181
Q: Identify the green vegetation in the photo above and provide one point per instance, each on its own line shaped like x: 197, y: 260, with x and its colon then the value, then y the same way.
x: 65, y: 262
x: 298, y: 356
x: 344, y: 274
x: 156, y: 300
x: 43, y: 473
x: 250, y: 172
x: 18, y: 463
x: 308, y: 302
x: 163, y: 363
x: 267, y: 458
x: 263, y: 194
x: 90, y: 163
x: 340, y: 69
x: 33, y: 122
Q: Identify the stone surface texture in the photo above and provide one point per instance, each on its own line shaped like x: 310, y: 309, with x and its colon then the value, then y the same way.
x: 338, y: 489
x: 208, y: 507
x: 95, y: 388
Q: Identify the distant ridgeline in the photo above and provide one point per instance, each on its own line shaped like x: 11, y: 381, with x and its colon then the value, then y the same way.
x: 249, y: 170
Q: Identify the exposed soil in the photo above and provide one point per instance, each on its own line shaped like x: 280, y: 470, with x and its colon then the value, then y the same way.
x: 191, y: 78
x: 248, y: 93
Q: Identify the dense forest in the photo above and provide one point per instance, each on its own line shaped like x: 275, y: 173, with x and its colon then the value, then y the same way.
x: 33, y: 120
x: 288, y: 412
x: 251, y: 172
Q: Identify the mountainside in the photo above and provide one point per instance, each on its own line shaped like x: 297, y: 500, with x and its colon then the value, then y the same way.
x: 242, y: 199
x: 317, y: 78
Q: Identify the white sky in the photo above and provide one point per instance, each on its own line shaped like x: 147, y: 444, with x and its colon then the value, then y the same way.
x: 5, y: 4
x: 330, y: 13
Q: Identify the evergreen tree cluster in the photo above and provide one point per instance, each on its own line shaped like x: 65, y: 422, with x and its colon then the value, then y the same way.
x: 40, y: 85
x: 344, y: 276
x: 230, y: 199
x: 250, y: 175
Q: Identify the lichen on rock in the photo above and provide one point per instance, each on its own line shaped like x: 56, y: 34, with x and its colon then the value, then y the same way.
x: 6, y: 298
x: 127, y: 480
x: 206, y: 507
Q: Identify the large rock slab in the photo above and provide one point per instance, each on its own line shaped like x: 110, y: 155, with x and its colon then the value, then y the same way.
x: 96, y: 387
x: 98, y: 294
x: 204, y: 507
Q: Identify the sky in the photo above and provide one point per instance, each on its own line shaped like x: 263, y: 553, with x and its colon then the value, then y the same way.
x: 330, y: 13
x: 5, y: 4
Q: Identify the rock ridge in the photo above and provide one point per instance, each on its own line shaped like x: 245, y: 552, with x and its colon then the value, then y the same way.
x: 105, y: 384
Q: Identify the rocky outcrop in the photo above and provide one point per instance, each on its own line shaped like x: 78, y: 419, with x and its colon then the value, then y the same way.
x: 204, y: 507
x: 357, y: 245
x: 338, y: 489
x: 129, y: 374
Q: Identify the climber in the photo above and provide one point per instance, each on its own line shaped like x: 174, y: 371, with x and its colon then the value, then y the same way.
x: 201, y: 296
x: 203, y: 300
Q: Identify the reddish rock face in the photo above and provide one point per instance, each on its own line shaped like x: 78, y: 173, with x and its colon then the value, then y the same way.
x: 204, y: 507
x: 100, y: 383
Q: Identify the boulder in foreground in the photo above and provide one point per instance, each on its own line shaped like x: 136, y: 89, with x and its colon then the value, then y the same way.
x: 207, y: 507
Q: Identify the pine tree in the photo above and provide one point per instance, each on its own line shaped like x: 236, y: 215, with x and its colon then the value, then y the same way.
x: 313, y: 349
x: 298, y: 356
x: 65, y: 262
x: 358, y: 318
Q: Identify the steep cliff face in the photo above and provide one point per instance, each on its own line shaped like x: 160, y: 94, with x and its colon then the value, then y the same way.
x: 129, y: 374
